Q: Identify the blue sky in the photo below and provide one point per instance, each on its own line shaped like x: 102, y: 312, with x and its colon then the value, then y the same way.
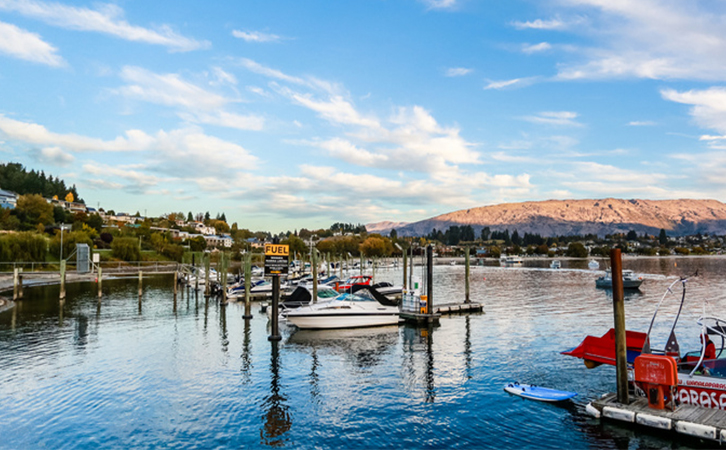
x: 290, y: 114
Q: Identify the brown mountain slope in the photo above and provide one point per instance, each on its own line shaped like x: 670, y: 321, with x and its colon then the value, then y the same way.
x: 601, y: 217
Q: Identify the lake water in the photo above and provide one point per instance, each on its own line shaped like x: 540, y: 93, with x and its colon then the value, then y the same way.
x: 149, y: 374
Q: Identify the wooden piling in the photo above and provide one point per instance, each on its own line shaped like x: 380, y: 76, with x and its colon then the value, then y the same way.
x: 248, y: 280
x: 62, y: 280
x: 141, y: 283
x: 100, y: 281
x: 224, y: 277
x: 207, y: 268
x: 20, y: 284
x: 176, y: 282
x: 361, y: 263
x: 430, y: 279
x: 314, y: 267
x: 340, y: 267
x: 373, y: 271
x: 621, y: 362
x: 16, y: 277
x: 467, y: 299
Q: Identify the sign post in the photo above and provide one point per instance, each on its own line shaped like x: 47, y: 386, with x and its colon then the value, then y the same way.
x: 276, y: 264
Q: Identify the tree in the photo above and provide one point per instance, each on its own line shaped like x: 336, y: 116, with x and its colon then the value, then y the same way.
x: 576, y: 250
x: 632, y: 235
x: 32, y: 210
x: 296, y: 244
x: 197, y: 244
x: 485, y: 232
x: 69, y: 197
x: 663, y: 237
x: 393, y: 234
x: 376, y: 246
x: 126, y: 249
x: 190, y: 217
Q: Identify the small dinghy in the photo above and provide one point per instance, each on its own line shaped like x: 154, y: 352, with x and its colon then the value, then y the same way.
x: 538, y: 393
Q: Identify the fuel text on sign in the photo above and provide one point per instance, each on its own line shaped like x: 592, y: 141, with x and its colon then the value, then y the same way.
x: 276, y: 259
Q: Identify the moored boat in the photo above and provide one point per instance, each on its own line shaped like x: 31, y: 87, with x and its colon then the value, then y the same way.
x: 630, y: 280
x: 344, y: 311
x: 556, y: 264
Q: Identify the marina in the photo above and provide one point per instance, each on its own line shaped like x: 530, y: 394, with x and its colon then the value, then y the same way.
x: 154, y: 372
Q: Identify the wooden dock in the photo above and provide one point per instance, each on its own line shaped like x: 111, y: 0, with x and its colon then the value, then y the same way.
x: 690, y: 420
x: 459, y: 308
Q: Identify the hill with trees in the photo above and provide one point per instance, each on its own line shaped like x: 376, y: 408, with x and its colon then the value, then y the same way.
x: 14, y: 177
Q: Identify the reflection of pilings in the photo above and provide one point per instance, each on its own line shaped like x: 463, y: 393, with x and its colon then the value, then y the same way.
x: 430, y: 386
x: 314, y: 377
x: 223, y: 326
x: 277, y: 418
x: 467, y: 347
x: 246, y: 359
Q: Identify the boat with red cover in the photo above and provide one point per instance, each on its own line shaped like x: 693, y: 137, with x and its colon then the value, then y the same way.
x: 701, y: 373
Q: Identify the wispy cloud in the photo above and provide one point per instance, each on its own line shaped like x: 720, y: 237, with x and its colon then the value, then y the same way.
x: 458, y: 71
x: 23, y: 44
x: 536, y: 48
x: 642, y: 123
x: 106, y: 19
x: 502, y: 84
x: 440, y: 4
x: 708, y: 106
x: 561, y: 118
x: 539, y: 24
x: 256, y: 36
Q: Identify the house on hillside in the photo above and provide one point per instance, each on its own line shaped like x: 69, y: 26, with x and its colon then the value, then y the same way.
x: 8, y: 200
x: 201, y: 228
x: 218, y: 241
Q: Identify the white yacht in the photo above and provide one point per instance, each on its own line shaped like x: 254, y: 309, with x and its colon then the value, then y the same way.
x: 510, y: 261
x: 345, y: 311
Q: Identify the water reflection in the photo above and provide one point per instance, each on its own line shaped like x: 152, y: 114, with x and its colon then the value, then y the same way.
x: 246, y: 350
x: 420, y: 341
x: 80, y: 337
x: 277, y: 419
x: 365, y: 346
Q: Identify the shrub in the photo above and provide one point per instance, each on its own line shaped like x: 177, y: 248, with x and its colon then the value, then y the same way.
x: 21, y: 247
x: 126, y: 249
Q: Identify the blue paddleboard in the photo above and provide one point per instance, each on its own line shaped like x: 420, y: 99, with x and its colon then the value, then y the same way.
x: 538, y: 393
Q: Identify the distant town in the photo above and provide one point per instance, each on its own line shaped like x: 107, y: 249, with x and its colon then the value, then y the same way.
x: 40, y: 228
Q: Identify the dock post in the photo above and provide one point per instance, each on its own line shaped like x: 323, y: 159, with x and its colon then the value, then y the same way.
x: 361, y: 263
x: 429, y: 278
x: 373, y: 272
x: 621, y: 362
x: 340, y: 268
x: 225, y: 262
x: 467, y: 299
x: 314, y: 266
x: 100, y: 281
x: 20, y: 284
x: 410, y: 269
x: 176, y: 282
x: 275, y: 328
x: 248, y: 276
x: 207, y: 268
x: 141, y: 283
x: 16, y: 277
x: 63, y: 280
x: 405, y: 267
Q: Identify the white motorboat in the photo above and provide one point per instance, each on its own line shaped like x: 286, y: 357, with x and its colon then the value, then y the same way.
x: 593, y: 265
x: 511, y: 261
x: 344, y: 311
x: 556, y: 264
x: 630, y: 280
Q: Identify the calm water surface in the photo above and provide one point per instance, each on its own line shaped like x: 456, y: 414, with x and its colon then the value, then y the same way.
x: 149, y: 374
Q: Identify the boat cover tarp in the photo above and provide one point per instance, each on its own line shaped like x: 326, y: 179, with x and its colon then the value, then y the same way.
x: 602, y: 349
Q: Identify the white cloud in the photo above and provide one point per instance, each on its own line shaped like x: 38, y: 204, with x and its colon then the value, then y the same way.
x: 536, y: 48
x: 708, y: 106
x: 106, y: 19
x: 198, y: 105
x: 53, y: 155
x: 539, y: 24
x: 167, y: 89
x: 516, y: 82
x: 336, y: 109
x: 28, y: 46
x: 458, y: 71
x: 642, y: 123
x: 255, y: 36
x: 258, y: 68
x: 440, y: 4
x: 346, y: 151
x: 563, y: 118
x: 657, y: 39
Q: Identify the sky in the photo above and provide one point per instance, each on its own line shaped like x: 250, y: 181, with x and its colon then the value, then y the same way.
x: 289, y: 114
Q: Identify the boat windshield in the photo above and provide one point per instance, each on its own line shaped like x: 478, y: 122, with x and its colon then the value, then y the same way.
x: 354, y: 298
x: 327, y: 293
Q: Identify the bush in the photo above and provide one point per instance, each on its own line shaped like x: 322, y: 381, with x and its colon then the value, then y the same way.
x: 70, y: 239
x: 682, y: 251
x: 576, y: 250
x: 174, y: 252
x: 126, y: 249
x: 21, y: 247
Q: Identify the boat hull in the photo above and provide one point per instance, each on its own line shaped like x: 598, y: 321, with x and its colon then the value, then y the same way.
x: 627, y: 284
x: 322, y: 321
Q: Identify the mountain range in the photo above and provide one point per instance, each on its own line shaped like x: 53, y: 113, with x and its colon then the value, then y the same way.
x: 578, y: 217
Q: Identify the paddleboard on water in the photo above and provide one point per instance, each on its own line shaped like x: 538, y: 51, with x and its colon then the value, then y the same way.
x: 534, y: 392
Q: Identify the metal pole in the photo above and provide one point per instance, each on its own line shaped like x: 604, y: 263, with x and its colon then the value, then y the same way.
x: 467, y: 299
x: 430, y: 278
x: 248, y: 276
x: 405, y: 267
x: 621, y: 362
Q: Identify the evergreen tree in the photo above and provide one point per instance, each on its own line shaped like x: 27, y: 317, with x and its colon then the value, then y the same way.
x: 662, y: 237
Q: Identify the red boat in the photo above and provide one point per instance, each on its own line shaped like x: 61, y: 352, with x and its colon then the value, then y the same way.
x: 701, y: 374
x: 358, y: 280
